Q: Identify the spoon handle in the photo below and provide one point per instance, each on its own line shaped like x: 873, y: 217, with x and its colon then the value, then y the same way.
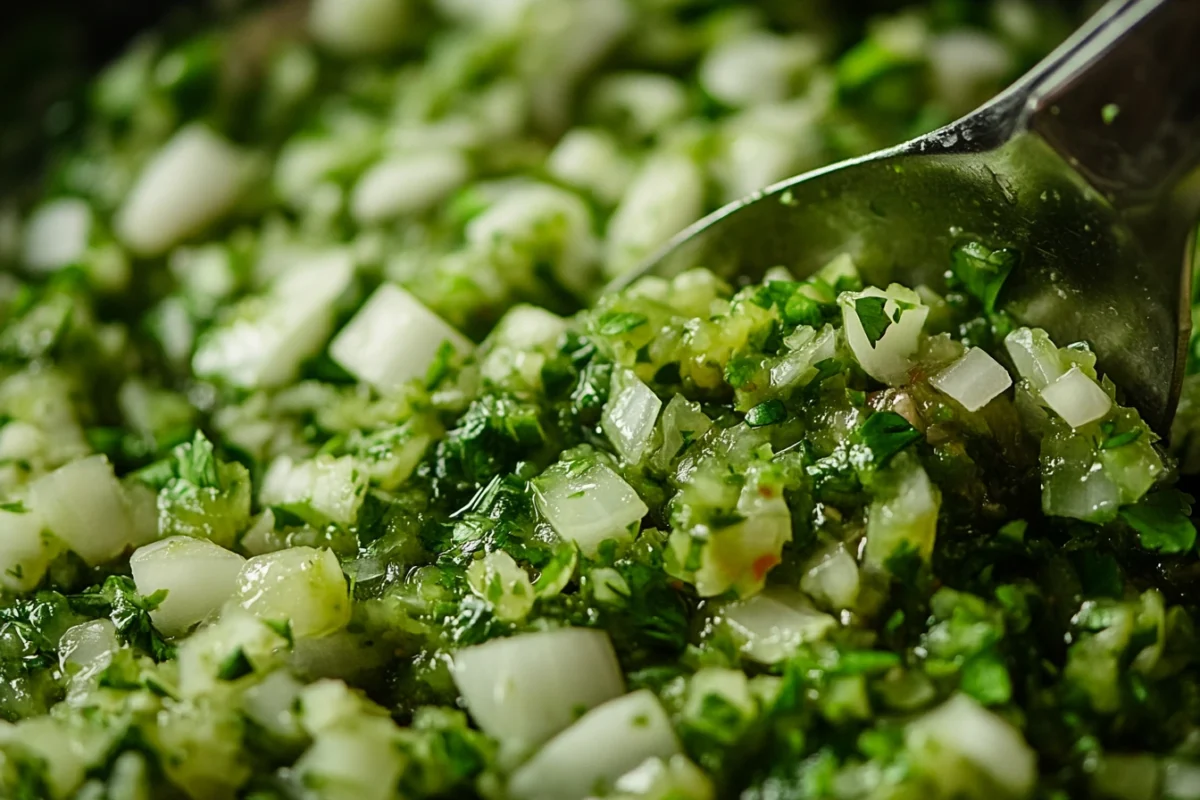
x: 1124, y: 107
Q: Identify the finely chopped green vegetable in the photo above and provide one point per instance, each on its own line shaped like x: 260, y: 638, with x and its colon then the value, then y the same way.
x: 316, y: 483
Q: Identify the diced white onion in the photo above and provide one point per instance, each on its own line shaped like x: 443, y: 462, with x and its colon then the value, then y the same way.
x: 974, y: 380
x: 83, y: 504
x: 205, y: 652
x: 589, y: 505
x: 301, y: 585
x: 358, y: 760
x: 770, y: 626
x: 272, y: 702
x: 270, y: 336
x: 809, y: 348
x: 682, y: 422
x: 1035, y: 356
x: 590, y: 159
x: 193, y: 181
x: 393, y: 339
x: 525, y: 327
x: 320, y: 489
x: 24, y: 552
x: 358, y: 27
x: 1077, y: 398
x: 565, y: 47
x: 57, y: 234
x: 407, y: 184
x: 199, y: 577
x: 757, y: 67
x: 528, y: 219
x: 903, y: 512
x: 740, y: 556
x: 666, y: 196
x: 592, y: 754
x: 676, y: 778
x: 55, y: 743
x: 641, y: 104
x: 831, y: 579
x: 890, y: 358
x: 730, y: 685
x: 498, y: 579
x: 630, y: 414
x: 965, y: 728
x: 965, y: 62
x: 88, y: 648
x: 524, y: 689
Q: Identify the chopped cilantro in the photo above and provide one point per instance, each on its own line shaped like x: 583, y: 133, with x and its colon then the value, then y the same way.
x: 983, y: 270
x: 884, y: 434
x: 768, y: 413
x: 873, y: 317
x: 1162, y: 521
x: 616, y: 323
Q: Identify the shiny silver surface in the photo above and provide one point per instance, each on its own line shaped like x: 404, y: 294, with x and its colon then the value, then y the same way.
x: 1101, y: 208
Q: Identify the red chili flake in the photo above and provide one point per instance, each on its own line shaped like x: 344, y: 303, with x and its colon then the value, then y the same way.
x: 762, y: 565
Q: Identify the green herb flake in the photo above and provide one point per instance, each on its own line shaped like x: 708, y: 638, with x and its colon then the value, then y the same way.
x: 768, y: 413
x: 873, y: 317
x: 237, y: 665
x: 884, y: 434
x: 1162, y: 521
x: 983, y: 270
x: 616, y: 323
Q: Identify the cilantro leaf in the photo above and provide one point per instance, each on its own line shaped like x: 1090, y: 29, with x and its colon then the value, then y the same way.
x: 237, y: 665
x: 983, y: 270
x: 118, y: 599
x: 615, y: 323
x: 197, y: 462
x: 767, y: 413
x: 884, y: 434
x: 1161, y: 520
x: 15, y: 507
x: 874, y: 319
x: 740, y: 370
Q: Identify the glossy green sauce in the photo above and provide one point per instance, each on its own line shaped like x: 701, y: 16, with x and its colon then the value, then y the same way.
x: 315, y: 482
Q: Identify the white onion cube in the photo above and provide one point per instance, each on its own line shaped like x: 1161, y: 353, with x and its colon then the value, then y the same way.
x: 1077, y: 398
x: 605, y: 744
x: 320, y: 490
x: 407, y: 184
x: 393, y: 339
x: 963, y: 727
x: 358, y: 27
x: 525, y: 327
x: 666, y: 196
x: 301, y: 585
x: 889, y: 359
x: 193, y: 181
x: 266, y: 340
x: 770, y: 626
x: 198, y: 576
x: 87, y: 648
x: 589, y: 505
x: 57, y: 234
x: 524, y: 689
x: 629, y: 416
x: 974, y: 380
x: 83, y: 504
x: 24, y: 555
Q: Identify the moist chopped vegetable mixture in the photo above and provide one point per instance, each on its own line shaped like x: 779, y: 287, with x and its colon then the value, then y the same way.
x: 317, y: 484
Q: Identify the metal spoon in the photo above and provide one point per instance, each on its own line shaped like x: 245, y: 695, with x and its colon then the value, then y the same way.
x: 1086, y: 166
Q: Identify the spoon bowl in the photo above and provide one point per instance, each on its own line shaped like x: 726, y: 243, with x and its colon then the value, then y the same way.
x: 1101, y: 215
